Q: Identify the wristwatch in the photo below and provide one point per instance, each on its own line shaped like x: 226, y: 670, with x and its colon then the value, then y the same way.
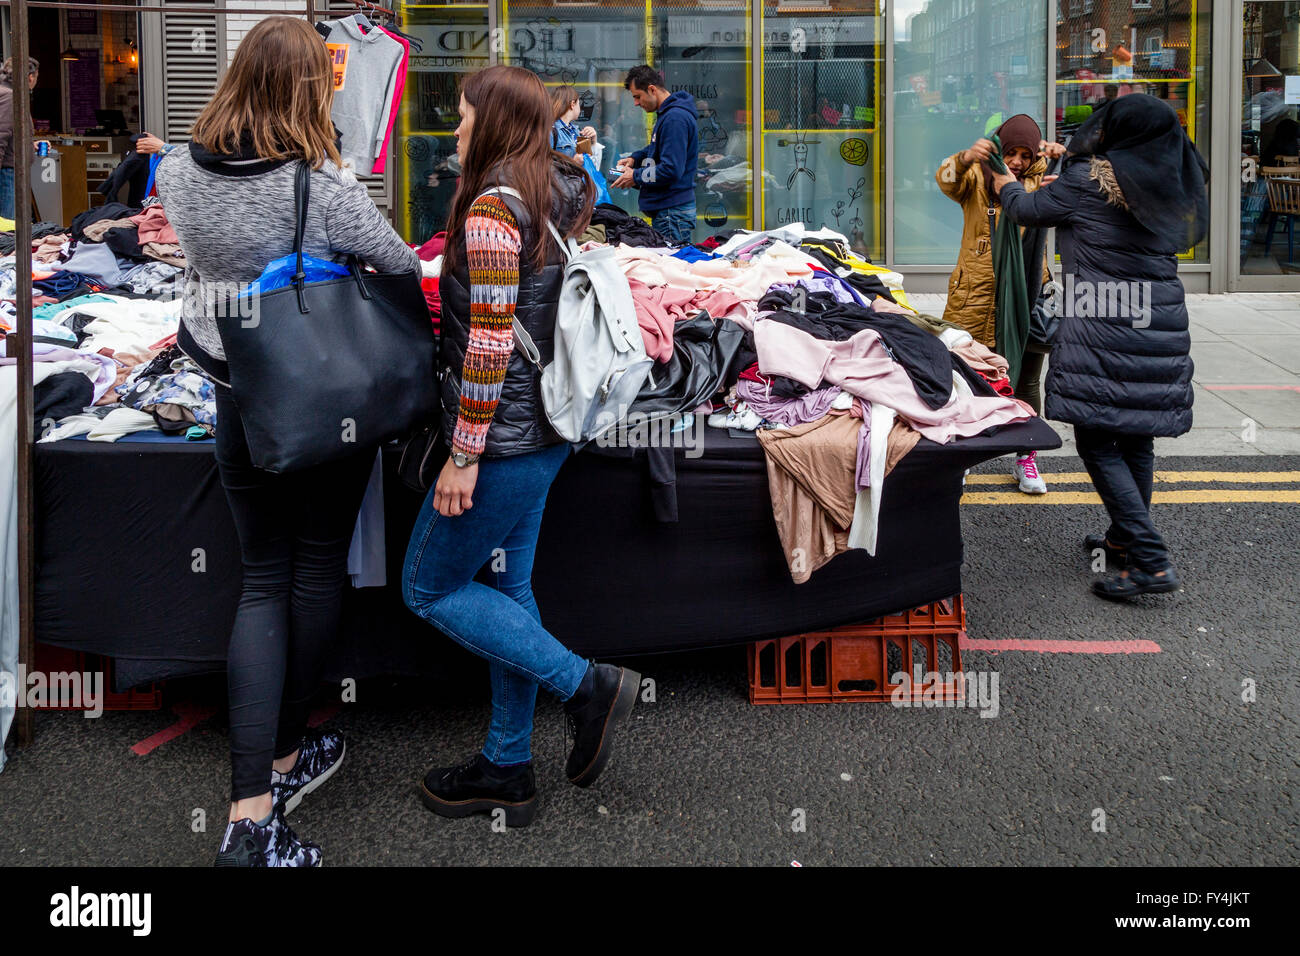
x: 462, y: 460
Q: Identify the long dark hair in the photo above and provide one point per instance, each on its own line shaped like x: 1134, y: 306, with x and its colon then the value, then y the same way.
x: 510, y: 144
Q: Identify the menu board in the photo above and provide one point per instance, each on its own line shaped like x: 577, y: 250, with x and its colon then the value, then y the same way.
x: 83, y: 22
x: 83, y: 90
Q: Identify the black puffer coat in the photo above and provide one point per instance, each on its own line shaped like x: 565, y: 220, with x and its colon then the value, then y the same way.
x: 1120, y: 359
x: 520, y: 424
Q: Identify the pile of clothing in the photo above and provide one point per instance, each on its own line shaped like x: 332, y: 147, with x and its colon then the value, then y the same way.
x: 792, y: 335
x: 106, y: 302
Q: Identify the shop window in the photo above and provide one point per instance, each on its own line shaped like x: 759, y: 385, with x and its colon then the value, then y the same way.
x: 822, y: 120
x: 455, y: 41
x: 1124, y: 47
x: 941, y: 104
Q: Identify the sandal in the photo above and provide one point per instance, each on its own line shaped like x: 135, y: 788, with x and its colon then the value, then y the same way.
x: 1121, y: 587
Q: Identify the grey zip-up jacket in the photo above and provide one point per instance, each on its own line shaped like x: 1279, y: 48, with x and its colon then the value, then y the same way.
x: 233, y: 216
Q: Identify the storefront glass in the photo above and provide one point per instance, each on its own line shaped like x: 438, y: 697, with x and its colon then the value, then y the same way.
x: 700, y: 47
x: 823, y: 133
x: 961, y: 68
x: 1270, y: 154
x: 1110, y: 48
x: 455, y: 41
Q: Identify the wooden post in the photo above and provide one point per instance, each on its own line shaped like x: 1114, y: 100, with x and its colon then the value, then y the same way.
x: 24, y: 722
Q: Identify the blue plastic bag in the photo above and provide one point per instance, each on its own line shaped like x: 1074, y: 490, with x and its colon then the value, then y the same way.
x: 602, y: 191
x: 280, y: 273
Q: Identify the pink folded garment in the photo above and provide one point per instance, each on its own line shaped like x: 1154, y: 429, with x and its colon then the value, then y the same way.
x: 154, y: 227
x: 659, y: 307
x: 862, y: 367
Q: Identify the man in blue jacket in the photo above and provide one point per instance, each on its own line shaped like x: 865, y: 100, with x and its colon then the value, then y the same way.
x: 664, y: 170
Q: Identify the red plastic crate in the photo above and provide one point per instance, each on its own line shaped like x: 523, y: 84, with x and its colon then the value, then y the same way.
x: 856, y: 662
x: 50, y: 659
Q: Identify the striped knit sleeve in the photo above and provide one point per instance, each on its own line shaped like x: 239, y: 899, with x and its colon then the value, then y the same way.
x: 492, y: 246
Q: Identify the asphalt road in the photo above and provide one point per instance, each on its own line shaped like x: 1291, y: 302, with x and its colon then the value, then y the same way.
x: 1185, y: 771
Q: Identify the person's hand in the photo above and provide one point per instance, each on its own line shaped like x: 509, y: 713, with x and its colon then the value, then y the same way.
x: 624, y: 163
x: 1048, y: 179
x: 453, y: 494
x: 1050, y: 150
x: 587, y: 132
x: 1000, y: 180
x: 149, y: 143
x: 624, y: 181
x: 979, y: 152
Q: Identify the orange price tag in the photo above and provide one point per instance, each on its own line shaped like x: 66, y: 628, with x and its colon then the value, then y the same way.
x: 338, y: 63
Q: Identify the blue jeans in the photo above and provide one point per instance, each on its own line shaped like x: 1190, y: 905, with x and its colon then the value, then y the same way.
x: 676, y: 224
x: 7, y: 193
x: 500, y: 623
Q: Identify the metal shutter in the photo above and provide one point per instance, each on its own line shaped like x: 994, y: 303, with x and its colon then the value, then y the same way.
x: 193, y: 51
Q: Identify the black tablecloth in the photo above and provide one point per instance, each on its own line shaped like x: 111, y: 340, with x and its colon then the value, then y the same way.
x: 120, y: 527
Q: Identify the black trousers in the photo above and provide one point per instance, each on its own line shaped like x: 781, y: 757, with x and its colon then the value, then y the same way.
x: 1122, y: 468
x: 294, y: 534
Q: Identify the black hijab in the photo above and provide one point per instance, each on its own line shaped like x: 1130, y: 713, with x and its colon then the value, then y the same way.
x: 1162, y: 175
x: 1021, y: 130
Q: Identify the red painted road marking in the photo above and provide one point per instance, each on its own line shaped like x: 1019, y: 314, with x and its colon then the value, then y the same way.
x: 1252, y: 388
x: 322, y: 714
x: 190, y: 717
x: 1062, y: 647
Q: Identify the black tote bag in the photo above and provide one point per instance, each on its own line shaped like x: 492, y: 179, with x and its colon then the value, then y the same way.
x: 322, y: 370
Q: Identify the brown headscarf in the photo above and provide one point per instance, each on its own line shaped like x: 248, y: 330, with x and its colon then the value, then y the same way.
x: 1021, y: 130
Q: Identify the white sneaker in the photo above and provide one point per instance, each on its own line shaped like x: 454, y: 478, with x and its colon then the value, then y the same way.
x: 1026, y: 472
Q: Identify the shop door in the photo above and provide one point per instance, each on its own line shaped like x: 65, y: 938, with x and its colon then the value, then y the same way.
x: 1268, y: 251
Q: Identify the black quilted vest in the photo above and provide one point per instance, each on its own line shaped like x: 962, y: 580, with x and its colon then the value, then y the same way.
x: 520, y: 423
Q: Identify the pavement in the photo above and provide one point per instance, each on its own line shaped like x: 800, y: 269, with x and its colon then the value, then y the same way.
x: 1158, y: 732
x: 1246, y: 351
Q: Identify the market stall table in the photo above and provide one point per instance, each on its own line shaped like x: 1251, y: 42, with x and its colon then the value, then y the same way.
x: 138, y: 560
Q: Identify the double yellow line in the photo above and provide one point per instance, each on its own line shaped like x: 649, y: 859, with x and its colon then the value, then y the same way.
x: 1010, y: 495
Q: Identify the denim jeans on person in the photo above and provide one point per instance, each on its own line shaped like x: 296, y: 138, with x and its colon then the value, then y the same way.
x: 499, y: 623
x: 294, y: 532
x: 676, y: 224
x: 1122, y: 468
x: 7, y: 192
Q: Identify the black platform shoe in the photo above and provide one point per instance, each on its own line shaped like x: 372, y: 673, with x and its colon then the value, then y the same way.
x: 593, y: 718
x: 480, y: 786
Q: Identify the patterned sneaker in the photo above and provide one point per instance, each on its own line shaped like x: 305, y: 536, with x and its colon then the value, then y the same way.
x: 1026, y: 472
x: 319, y: 755
x: 247, y: 844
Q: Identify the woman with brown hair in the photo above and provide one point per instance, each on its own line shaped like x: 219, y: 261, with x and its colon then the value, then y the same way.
x: 564, y: 135
x: 503, y: 267
x: 230, y: 197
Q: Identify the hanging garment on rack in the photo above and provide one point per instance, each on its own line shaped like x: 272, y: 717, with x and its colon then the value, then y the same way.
x: 396, y: 104
x: 365, y: 70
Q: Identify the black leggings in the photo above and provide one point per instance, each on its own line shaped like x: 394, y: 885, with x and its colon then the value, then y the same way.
x: 1029, y: 388
x: 1122, y: 468
x: 294, y: 533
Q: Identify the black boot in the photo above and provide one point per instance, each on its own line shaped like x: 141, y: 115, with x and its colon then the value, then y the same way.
x: 594, y: 715
x: 481, y: 787
x: 1121, y: 587
x: 1116, y: 558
